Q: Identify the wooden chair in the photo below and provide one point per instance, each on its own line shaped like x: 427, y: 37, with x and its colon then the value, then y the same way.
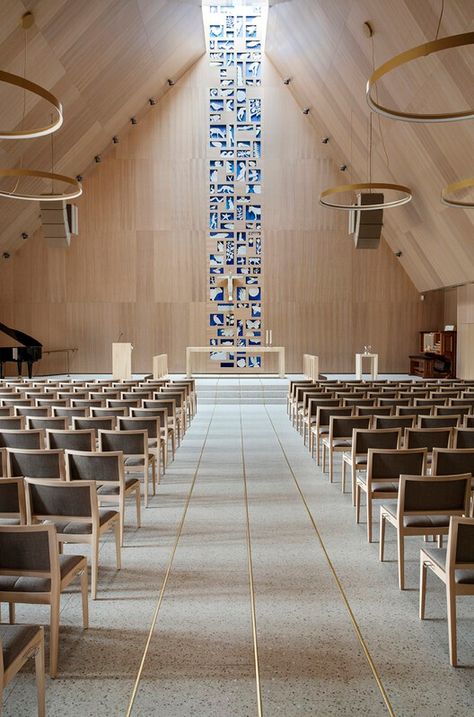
x: 181, y: 411
x: 12, y: 501
x: 452, y: 411
x: 321, y: 427
x: 362, y: 440
x: 55, y: 422
x: 339, y: 439
x: 166, y: 429
x: 93, y: 423
x: 394, y: 421
x: 108, y: 412
x: 424, y: 507
x: 156, y: 441
x: 12, y: 423
x: 17, y: 644
x: 136, y: 454
x: 372, y: 411
x: 107, y: 469
x: 455, y: 567
x: 22, y: 439
x: 413, y: 411
x: 173, y: 422
x: 35, y: 463
x: 384, y: 468
x: 309, y: 417
x: 74, y: 440
x: 428, y: 438
x: 32, y: 571
x: 438, y: 421
x: 73, y: 509
x: 463, y: 438
x: 34, y: 411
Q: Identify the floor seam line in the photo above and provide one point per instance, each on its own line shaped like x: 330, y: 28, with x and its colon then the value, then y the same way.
x: 168, y: 572
x: 345, y: 599
x: 253, y: 609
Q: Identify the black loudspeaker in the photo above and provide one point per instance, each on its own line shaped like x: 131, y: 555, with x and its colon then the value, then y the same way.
x: 59, y: 221
x: 367, y: 226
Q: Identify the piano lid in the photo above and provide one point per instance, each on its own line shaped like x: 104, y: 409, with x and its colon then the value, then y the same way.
x: 19, y: 336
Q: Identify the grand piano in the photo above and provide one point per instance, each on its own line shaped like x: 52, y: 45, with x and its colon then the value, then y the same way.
x: 30, y: 352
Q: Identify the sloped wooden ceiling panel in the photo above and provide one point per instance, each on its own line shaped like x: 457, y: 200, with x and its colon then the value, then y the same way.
x: 321, y: 47
x: 103, y: 59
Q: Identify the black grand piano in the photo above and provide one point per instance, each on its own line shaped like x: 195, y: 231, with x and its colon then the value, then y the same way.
x: 29, y: 352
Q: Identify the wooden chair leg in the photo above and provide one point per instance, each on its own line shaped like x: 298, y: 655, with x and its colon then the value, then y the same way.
x: 343, y: 476
x: 39, y: 669
x: 85, y: 599
x: 353, y: 483
x: 401, y: 558
x: 94, y: 565
x: 369, y: 518
x: 11, y: 613
x: 331, y: 464
x: 423, y: 571
x: 357, y: 505
x: 153, y: 474
x: 118, y: 556
x: 137, y: 501
x: 382, y: 535
x: 451, y: 606
x: 54, y: 636
x: 122, y: 516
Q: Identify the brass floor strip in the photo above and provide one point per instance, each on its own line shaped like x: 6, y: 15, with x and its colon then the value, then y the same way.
x: 345, y: 599
x: 253, y: 610
x: 168, y: 572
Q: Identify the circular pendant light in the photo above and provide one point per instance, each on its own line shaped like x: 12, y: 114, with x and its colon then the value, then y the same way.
x: 325, y: 198
x: 75, y: 187
x: 29, y: 86
x: 428, y: 48
x: 456, y: 187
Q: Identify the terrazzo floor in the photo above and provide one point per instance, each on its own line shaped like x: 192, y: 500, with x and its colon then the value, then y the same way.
x: 241, y: 479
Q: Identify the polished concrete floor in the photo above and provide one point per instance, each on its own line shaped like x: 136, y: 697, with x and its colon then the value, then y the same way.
x: 265, y: 596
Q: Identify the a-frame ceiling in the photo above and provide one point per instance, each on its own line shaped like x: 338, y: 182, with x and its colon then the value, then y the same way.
x: 321, y: 46
x: 103, y: 59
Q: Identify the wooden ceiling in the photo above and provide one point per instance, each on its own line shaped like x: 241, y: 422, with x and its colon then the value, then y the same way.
x: 103, y: 59
x: 321, y: 46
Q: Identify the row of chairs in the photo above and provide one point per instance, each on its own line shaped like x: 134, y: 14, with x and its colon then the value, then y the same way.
x: 68, y: 484
x: 421, y: 475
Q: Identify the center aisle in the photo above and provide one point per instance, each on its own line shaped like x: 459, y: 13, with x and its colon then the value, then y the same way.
x: 201, y: 656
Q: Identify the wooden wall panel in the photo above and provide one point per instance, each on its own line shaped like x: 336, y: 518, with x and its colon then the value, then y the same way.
x: 138, y: 270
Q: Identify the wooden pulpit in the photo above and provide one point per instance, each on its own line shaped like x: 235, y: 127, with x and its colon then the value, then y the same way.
x: 122, y: 361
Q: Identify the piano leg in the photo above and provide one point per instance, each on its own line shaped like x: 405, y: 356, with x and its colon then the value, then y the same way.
x: 30, y: 369
x: 1, y: 371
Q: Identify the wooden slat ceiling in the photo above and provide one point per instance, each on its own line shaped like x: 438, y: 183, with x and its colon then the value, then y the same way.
x: 321, y: 46
x: 103, y: 59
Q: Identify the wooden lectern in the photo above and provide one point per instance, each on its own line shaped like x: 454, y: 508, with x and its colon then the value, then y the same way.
x: 122, y: 362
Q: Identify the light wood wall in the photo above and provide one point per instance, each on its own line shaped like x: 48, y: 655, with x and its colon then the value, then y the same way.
x: 465, y: 320
x: 138, y: 270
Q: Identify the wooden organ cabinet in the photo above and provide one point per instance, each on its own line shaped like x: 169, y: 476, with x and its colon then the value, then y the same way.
x: 437, y: 357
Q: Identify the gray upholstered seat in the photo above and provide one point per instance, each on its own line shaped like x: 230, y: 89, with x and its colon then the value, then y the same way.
x: 14, y: 639
x: 37, y: 584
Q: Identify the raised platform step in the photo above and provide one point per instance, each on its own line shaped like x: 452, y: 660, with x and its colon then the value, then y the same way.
x: 240, y: 394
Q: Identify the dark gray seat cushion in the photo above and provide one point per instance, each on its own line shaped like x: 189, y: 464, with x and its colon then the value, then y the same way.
x: 439, y: 555
x: 14, y: 639
x: 114, y: 490
x: 380, y: 486
x: 418, y: 521
x: 85, y: 528
x: 38, y: 585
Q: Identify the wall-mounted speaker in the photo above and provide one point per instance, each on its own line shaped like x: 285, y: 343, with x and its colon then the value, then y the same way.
x: 367, y: 226
x: 59, y: 221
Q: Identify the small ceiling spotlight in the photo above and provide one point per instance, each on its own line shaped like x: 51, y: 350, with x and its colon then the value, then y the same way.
x: 398, y: 254
x: 115, y: 139
x: 287, y: 81
x: 343, y: 167
x: 6, y: 255
x: 170, y: 82
x: 24, y: 235
x: 325, y: 140
x: 133, y: 120
x: 152, y: 102
x: 306, y: 111
x: 368, y: 29
x: 78, y: 177
x: 97, y: 158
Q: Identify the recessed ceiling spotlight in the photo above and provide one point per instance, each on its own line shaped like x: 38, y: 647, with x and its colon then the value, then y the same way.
x: 97, y: 158
x: 133, y: 120
x: 306, y: 111
x: 170, y: 82
x: 79, y: 177
x: 24, y: 235
x: 152, y: 102
x: 6, y: 255
x: 398, y: 254
x: 115, y: 139
x: 325, y: 140
x: 343, y: 167
x: 368, y: 29
x: 287, y: 81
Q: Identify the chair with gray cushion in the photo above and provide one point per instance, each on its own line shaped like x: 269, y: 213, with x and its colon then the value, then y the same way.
x: 54, y: 422
x: 428, y: 438
x: 108, y: 470
x: 94, y: 423
x: 384, y: 468
x: 166, y: 429
x: 12, y: 501
x: 156, y: 441
x: 22, y: 439
x: 362, y: 440
x: 12, y: 423
x: 35, y: 463
x: 40, y: 411
x: 17, y: 644
x: 108, y: 412
x: 339, y: 438
x: 463, y: 438
x: 74, y: 440
x: 136, y: 454
x: 438, y: 421
x: 455, y: 567
x: 73, y: 509
x: 424, y: 507
x: 33, y: 571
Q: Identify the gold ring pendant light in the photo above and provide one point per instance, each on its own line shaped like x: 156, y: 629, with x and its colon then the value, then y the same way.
x: 428, y: 48
x: 456, y: 187
x: 28, y: 86
x: 74, y: 186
